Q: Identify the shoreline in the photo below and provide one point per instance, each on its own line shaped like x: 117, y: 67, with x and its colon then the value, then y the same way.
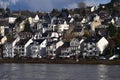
x: 59, y: 61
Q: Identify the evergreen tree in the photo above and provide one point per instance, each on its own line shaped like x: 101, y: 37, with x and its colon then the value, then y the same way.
x: 27, y: 27
x: 1, y: 51
x: 111, y: 30
x: 55, y: 12
x: 18, y: 20
x: 112, y: 1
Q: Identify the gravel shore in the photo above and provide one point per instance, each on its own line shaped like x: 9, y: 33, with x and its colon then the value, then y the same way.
x: 59, y: 61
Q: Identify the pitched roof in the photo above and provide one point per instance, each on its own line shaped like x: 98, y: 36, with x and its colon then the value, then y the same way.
x: 50, y: 43
x: 10, y: 39
x: 77, y: 29
x: 45, y: 34
x: 66, y: 45
x: 4, y: 23
x: 38, y: 41
x: 22, y: 42
x: 94, y: 39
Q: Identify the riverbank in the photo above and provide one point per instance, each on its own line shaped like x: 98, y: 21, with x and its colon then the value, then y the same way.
x: 59, y: 61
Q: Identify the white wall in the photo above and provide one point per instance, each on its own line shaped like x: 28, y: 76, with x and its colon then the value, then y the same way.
x: 58, y: 44
x: 102, y: 44
x: 12, y: 19
x: 26, y: 45
x: 13, y: 45
x: 63, y: 27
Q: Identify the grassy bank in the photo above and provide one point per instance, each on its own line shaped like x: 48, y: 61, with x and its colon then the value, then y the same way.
x: 59, y: 61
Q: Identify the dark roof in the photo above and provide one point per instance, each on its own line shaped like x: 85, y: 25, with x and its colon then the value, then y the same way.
x: 77, y: 29
x: 92, y: 39
x: 50, y: 43
x: 22, y: 42
x: 4, y: 23
x: 67, y: 20
x: 78, y: 19
x: 45, y: 25
x: 11, y: 25
x: 38, y: 41
x: 25, y: 34
x: 66, y: 45
x: 102, y: 31
x: 1, y: 37
x: 1, y: 47
x: 10, y: 38
x: 87, y: 27
x: 45, y: 34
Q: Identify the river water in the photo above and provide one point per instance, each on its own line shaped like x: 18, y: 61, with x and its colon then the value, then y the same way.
x: 59, y: 72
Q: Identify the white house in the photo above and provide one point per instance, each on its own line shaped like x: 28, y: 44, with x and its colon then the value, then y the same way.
x: 9, y: 48
x: 72, y: 48
x: 80, y: 42
x: 96, y: 23
x: 21, y: 26
x: 113, y: 21
x: 2, y: 30
x: 114, y: 56
x: 93, y: 46
x: 69, y: 16
x: 52, y: 47
x: 58, y: 44
x: 13, y: 45
x: 63, y: 27
x: 93, y: 9
x: 3, y: 40
x: 53, y: 36
x: 11, y: 19
x: 30, y: 19
x: 26, y: 47
x: 96, y: 18
x: 36, y: 19
x: 21, y: 47
x: 102, y: 44
x: 7, y: 51
x: 37, y: 35
x: 38, y: 48
x: 71, y: 20
x: 83, y: 21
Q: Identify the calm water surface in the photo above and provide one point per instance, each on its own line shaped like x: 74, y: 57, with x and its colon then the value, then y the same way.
x: 59, y: 72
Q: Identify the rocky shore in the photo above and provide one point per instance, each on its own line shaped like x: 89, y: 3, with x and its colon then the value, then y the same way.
x: 59, y: 61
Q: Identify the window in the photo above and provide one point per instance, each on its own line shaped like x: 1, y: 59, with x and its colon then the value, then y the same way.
x: 85, y: 48
x: 22, y: 49
x: 91, y: 43
x: 71, y: 44
x: 91, y: 48
x: 90, y: 53
x: 85, y: 44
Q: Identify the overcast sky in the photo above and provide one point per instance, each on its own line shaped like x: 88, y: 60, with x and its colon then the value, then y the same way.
x: 46, y: 5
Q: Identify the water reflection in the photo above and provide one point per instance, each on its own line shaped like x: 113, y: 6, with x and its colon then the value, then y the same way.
x: 102, y: 72
x: 58, y: 72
